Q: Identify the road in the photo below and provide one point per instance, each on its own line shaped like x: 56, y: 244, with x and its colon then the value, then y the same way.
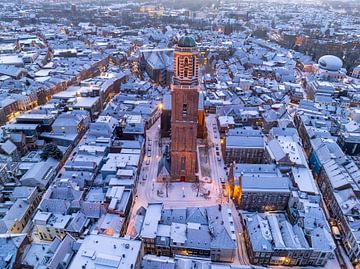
x: 182, y: 195
x: 220, y: 172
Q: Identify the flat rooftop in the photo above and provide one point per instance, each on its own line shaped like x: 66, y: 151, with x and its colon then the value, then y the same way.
x: 98, y: 251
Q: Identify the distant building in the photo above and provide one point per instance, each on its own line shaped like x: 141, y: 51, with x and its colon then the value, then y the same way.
x: 329, y: 67
x: 11, y: 247
x: 350, y: 142
x: 259, y: 187
x: 101, y: 250
x: 264, y: 194
x: 158, y: 64
x: 244, y: 145
x: 203, y: 232
x: 40, y: 174
x: 56, y: 254
x: 111, y: 225
x: 271, y: 239
x: 25, y: 201
x: 356, y: 72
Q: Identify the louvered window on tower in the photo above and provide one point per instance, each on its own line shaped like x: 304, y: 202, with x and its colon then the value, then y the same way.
x: 185, y: 110
x: 178, y: 66
x: 186, y: 67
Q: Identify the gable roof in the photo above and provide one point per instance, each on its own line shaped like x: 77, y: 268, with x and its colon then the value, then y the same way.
x: 164, y: 168
x: 197, y: 215
x: 8, y: 147
x: 222, y: 241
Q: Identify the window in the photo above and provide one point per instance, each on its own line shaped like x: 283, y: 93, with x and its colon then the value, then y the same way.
x: 186, y: 67
x: 178, y: 66
x: 185, y: 110
x: 183, y: 166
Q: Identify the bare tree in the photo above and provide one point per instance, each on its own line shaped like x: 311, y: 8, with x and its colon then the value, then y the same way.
x: 168, y: 185
x: 197, y: 186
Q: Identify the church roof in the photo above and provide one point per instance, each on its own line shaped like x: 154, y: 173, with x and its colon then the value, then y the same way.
x: 164, y: 168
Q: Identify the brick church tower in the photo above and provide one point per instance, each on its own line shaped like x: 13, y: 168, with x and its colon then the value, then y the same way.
x: 184, y: 113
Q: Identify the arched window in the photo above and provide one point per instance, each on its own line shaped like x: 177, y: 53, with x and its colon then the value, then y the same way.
x: 186, y: 61
x: 178, y: 66
x: 193, y: 65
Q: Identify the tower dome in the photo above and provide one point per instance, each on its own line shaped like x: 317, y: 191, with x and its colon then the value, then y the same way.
x: 330, y: 63
x: 187, y: 42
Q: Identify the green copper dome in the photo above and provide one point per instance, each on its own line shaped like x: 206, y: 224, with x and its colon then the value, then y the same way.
x: 187, y: 41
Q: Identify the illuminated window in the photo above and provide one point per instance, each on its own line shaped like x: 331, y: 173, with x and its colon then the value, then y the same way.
x: 186, y: 61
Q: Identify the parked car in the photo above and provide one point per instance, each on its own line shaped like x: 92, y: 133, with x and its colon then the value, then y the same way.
x: 336, y: 232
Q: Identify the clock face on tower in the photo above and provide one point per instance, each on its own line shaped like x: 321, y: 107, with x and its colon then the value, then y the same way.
x: 184, y: 114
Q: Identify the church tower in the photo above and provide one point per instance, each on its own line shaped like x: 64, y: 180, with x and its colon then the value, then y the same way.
x: 184, y: 113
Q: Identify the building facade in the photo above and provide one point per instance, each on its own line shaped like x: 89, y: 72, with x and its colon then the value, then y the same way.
x: 184, y: 114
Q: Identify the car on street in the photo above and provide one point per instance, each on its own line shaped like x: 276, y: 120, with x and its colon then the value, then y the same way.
x: 147, y: 162
x: 336, y: 232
